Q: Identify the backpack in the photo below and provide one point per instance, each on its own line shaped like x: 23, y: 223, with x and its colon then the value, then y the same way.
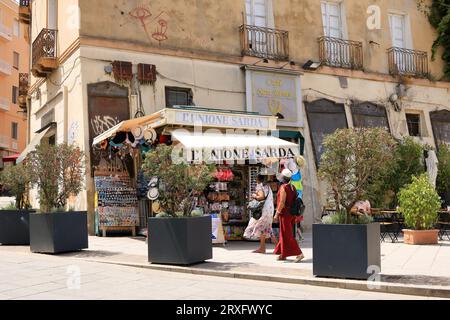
x: 298, y: 207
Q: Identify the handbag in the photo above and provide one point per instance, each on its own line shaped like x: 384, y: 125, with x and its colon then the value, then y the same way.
x: 256, y: 207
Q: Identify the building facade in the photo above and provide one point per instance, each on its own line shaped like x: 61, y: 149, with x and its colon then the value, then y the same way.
x: 317, y: 65
x: 14, y: 66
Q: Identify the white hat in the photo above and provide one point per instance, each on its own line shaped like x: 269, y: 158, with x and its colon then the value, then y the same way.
x: 285, y: 173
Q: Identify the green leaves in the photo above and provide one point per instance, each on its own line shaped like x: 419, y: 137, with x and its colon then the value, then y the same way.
x: 352, y: 159
x: 419, y: 203
x: 16, y: 179
x: 179, y: 181
x: 57, y: 171
x: 443, y: 178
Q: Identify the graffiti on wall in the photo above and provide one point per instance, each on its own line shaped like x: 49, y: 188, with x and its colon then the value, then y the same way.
x: 154, y: 23
x: 101, y: 123
x: 73, y: 132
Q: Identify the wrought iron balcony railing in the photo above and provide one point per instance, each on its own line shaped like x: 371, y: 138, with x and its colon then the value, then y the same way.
x: 25, y: 11
x: 264, y: 42
x: 408, y: 62
x: 335, y: 52
x: 44, y: 55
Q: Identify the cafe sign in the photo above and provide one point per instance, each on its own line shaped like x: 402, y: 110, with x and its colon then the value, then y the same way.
x: 276, y: 94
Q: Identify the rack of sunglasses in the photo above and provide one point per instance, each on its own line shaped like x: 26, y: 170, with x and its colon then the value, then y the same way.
x: 117, y: 201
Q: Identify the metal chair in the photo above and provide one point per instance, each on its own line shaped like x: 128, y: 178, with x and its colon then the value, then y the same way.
x: 443, y: 225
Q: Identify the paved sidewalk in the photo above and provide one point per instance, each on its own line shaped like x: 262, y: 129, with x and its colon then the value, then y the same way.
x: 44, y: 277
x: 421, y: 270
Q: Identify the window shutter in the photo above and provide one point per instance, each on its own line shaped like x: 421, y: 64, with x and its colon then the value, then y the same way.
x: 146, y: 73
x: 123, y: 71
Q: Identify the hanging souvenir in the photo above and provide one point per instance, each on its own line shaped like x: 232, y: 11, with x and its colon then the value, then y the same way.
x: 156, y: 207
x: 119, y: 138
x: 150, y: 135
x: 153, y: 194
x: 138, y: 133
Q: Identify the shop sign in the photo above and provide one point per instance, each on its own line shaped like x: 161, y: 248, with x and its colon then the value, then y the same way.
x: 275, y: 94
x: 256, y: 154
x: 210, y: 119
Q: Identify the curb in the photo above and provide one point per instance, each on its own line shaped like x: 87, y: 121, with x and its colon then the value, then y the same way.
x: 381, y: 287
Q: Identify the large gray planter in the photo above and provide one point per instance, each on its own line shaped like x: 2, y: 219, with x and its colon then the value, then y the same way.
x: 15, y: 227
x: 346, y: 251
x: 179, y: 241
x: 58, y: 232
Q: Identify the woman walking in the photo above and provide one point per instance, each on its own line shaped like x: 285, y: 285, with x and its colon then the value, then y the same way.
x: 262, y: 228
x: 287, y: 194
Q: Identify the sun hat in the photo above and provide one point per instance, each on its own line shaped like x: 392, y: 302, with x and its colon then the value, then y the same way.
x: 286, y: 173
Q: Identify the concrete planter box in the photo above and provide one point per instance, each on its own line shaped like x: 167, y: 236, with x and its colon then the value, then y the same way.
x: 15, y: 227
x: 58, y: 232
x: 179, y: 241
x: 420, y: 237
x: 346, y: 251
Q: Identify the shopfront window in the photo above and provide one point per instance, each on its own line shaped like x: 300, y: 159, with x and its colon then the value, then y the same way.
x: 178, y: 97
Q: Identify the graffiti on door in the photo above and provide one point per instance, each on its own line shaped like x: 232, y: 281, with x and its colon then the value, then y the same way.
x: 101, y: 123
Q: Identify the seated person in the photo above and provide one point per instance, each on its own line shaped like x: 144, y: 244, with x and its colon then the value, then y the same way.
x: 361, y: 207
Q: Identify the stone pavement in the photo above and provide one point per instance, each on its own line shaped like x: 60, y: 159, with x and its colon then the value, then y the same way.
x: 418, y: 270
x: 25, y: 276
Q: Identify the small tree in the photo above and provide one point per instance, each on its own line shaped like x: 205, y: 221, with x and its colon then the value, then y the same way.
x: 352, y: 159
x: 443, y: 178
x: 58, y: 174
x: 419, y: 203
x: 179, y: 182
x: 17, y: 179
x: 407, y: 162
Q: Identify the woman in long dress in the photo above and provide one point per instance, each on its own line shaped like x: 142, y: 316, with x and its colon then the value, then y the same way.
x: 287, y: 195
x: 262, y: 228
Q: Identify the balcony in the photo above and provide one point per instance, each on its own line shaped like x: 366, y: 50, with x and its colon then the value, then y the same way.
x: 23, y: 90
x: 4, y: 104
x: 264, y: 43
x: 5, y: 68
x: 25, y: 11
x: 4, y: 142
x: 340, y: 53
x: 44, y: 55
x: 5, y: 33
x: 408, y: 62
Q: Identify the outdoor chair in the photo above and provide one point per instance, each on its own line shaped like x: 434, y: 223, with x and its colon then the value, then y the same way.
x: 443, y: 225
x: 389, y: 226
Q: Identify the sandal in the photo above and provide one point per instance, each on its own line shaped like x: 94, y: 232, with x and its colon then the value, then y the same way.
x: 280, y: 258
x: 299, y: 258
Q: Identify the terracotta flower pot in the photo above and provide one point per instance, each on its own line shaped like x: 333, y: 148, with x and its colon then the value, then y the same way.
x: 420, y: 236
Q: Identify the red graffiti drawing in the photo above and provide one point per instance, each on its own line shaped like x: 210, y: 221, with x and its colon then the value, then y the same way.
x: 142, y: 15
x: 160, y: 34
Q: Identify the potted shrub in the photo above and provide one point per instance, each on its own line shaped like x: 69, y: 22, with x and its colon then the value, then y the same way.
x: 346, y: 245
x: 57, y: 173
x: 177, y: 236
x: 419, y: 204
x: 14, y: 221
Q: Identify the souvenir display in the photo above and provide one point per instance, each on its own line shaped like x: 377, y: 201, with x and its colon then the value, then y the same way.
x: 117, y: 201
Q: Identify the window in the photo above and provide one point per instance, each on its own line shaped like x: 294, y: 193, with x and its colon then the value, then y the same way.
x: 397, y: 24
x: 332, y: 20
x: 413, y: 122
x: 256, y: 12
x: 16, y: 60
x: 14, y: 130
x: 15, y: 94
x: 52, y: 13
x: 16, y: 28
x: 178, y: 97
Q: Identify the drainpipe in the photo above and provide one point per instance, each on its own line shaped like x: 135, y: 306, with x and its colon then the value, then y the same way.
x: 66, y: 113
